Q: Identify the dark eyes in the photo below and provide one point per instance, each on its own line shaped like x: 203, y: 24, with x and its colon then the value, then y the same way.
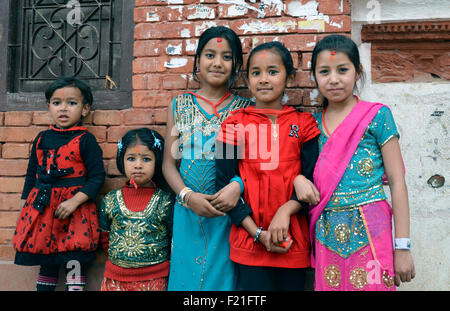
x: 145, y: 159
x: 340, y: 70
x: 71, y: 103
x: 226, y: 57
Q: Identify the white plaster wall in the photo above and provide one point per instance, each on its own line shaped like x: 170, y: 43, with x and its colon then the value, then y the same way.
x: 422, y: 114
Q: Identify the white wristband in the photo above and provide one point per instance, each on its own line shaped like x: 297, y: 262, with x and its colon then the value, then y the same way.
x: 402, y: 243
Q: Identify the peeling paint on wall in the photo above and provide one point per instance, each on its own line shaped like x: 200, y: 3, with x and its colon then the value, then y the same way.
x: 176, y: 62
x: 297, y: 8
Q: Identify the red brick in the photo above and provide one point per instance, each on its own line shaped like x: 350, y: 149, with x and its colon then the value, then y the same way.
x: 42, y: 118
x: 146, y: 14
x: 148, y: 48
x: 149, y: 64
x: 19, y: 134
x: 2, y: 118
x: 172, y: 30
x: 10, y: 202
x: 299, y: 42
x: 109, y: 150
x: 7, y: 253
x: 18, y: 118
x: 306, y: 61
x: 265, y: 26
x: 11, y: 184
x: 116, y: 132
x: 111, y: 168
x: 334, y: 7
x: 98, y: 131
x: 6, y: 235
x: 151, y: 99
x: 15, y: 151
x: 303, y: 79
x: 160, y: 116
x: 199, y: 11
x: 138, y: 117
x: 8, y: 219
x: 14, y: 167
x: 173, y: 13
x: 106, y: 117
x: 175, y: 82
x: 146, y: 81
x: 232, y: 11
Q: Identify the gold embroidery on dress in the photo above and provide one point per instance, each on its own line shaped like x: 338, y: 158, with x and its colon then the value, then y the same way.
x: 358, y: 277
x: 342, y: 233
x: 365, y: 167
x: 388, y: 280
x: 332, y: 276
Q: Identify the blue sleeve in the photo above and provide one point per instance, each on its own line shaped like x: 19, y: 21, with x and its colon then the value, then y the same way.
x: 384, y: 126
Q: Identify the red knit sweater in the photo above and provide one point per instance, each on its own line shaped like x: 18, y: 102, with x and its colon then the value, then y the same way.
x: 136, y: 200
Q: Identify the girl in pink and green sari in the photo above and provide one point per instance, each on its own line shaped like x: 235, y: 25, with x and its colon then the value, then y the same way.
x: 350, y: 218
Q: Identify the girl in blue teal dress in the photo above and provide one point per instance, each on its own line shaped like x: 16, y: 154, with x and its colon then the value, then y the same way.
x: 200, y: 247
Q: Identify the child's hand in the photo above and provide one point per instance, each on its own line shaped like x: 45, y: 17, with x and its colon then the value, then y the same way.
x: 227, y: 197
x: 279, y: 225
x: 403, y: 266
x: 266, y: 239
x: 66, y: 208
x: 305, y: 190
x: 200, y: 204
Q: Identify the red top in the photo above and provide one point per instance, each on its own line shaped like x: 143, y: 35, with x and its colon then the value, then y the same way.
x: 270, y: 162
x: 136, y: 200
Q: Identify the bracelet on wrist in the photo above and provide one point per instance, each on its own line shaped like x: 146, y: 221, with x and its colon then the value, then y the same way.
x: 183, y: 193
x: 402, y: 243
x: 258, y: 233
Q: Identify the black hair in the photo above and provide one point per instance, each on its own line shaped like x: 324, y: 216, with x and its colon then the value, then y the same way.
x: 67, y: 82
x: 338, y: 43
x: 234, y: 42
x: 153, y: 141
x: 278, y: 48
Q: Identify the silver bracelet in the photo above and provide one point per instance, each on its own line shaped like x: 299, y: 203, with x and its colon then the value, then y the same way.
x: 258, y: 233
x: 402, y: 243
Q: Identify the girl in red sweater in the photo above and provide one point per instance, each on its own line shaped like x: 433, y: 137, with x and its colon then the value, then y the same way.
x: 138, y: 217
x: 271, y: 245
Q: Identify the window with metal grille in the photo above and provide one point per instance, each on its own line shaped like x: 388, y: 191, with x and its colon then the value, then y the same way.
x: 87, y: 39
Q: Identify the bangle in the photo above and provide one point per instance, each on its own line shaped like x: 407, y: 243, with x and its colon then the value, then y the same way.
x: 183, y: 192
x: 258, y: 233
x: 402, y: 243
x: 188, y: 196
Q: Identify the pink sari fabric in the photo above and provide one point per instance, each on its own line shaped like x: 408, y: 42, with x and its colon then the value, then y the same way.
x: 369, y: 269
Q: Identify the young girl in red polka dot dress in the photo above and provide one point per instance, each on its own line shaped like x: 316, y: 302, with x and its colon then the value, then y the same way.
x: 58, y: 223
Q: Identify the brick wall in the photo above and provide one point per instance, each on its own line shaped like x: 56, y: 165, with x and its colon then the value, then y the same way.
x: 165, y: 40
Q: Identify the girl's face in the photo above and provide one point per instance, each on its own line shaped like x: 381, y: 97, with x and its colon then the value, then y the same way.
x: 267, y: 78
x: 216, y: 62
x: 139, y: 163
x: 66, y: 107
x: 335, y: 76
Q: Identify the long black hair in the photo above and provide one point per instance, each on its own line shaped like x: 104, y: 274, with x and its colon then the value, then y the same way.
x: 234, y: 42
x: 338, y: 43
x: 153, y: 141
